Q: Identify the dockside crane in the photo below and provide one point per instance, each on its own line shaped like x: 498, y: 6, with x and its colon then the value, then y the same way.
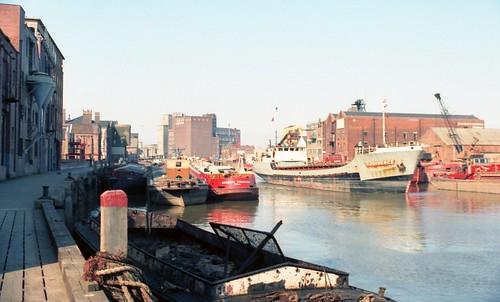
x: 455, y: 138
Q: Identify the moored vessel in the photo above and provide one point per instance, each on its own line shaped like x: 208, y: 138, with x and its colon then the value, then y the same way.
x: 226, y: 182
x: 477, y: 174
x: 182, y: 262
x: 176, y: 188
x: 386, y: 169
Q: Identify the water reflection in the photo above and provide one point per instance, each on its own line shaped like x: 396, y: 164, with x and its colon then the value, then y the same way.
x: 240, y: 213
x: 432, y: 246
x: 459, y: 202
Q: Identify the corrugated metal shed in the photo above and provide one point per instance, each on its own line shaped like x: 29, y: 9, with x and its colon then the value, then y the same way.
x: 470, y: 136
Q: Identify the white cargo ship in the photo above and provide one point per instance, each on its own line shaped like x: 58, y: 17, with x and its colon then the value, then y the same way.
x: 381, y: 169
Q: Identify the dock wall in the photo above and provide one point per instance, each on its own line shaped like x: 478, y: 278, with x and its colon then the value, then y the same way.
x: 66, y: 203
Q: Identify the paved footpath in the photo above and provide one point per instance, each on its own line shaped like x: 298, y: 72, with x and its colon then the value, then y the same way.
x: 29, y: 268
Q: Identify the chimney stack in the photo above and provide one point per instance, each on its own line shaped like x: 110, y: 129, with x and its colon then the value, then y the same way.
x: 87, y: 116
x: 97, y: 117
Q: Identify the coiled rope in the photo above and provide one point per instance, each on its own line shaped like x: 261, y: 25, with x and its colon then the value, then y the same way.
x: 121, y: 280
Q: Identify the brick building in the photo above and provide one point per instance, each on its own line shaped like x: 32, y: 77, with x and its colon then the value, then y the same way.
x: 193, y: 135
x: 9, y: 96
x: 133, y: 150
x: 96, y: 139
x: 150, y: 151
x: 349, y: 128
x: 228, y: 136
x: 162, y: 135
x: 83, y: 138
x: 314, y: 139
x: 32, y: 90
x: 438, y: 142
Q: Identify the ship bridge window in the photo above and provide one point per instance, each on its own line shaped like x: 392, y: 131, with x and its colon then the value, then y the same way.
x: 286, y: 149
x: 178, y: 164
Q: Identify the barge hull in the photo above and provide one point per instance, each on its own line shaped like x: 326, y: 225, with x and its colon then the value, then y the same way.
x: 234, y: 194
x: 464, y: 185
x: 277, y: 277
x: 347, y: 183
x: 179, y: 197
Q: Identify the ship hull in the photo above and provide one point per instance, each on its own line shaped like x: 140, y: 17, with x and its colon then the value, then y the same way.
x: 234, y: 194
x: 467, y: 185
x: 345, y: 183
x: 237, y: 186
x: 179, y: 197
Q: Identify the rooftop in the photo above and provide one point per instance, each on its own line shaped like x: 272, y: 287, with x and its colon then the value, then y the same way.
x: 470, y: 136
x: 408, y: 115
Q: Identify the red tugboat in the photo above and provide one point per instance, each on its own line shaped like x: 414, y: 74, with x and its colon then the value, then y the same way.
x: 226, y: 182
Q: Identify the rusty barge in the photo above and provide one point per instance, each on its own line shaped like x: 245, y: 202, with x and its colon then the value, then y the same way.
x: 185, y: 263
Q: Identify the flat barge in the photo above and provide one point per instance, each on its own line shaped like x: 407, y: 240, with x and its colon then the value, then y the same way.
x: 185, y: 263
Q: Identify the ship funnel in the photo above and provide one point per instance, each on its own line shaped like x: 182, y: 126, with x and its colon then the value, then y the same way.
x: 42, y: 86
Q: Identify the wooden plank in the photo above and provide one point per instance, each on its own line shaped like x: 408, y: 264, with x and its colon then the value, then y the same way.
x: 12, y: 288
x: 34, y: 283
x: 56, y: 290
x: 54, y: 284
x: 5, y: 237
x: 47, y: 249
x: 5, y: 232
x: 3, y: 214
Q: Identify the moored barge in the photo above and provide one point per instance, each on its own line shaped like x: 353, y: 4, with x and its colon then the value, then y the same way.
x: 186, y: 263
x: 225, y: 182
x: 477, y: 175
x: 176, y: 188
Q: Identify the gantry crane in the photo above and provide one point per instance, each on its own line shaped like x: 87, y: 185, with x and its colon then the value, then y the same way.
x: 457, y: 143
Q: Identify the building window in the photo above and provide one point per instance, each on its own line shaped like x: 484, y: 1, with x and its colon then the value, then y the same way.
x: 405, y: 136
x: 20, y: 147
x: 415, y: 136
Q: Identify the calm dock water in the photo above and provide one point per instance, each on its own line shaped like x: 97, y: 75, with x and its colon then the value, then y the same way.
x: 432, y: 246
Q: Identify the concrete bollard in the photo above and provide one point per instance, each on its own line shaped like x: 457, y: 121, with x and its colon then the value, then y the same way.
x: 381, y: 291
x: 45, y: 192
x: 114, y: 224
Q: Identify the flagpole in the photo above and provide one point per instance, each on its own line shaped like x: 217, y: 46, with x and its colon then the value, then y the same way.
x: 276, y: 127
x: 384, y: 105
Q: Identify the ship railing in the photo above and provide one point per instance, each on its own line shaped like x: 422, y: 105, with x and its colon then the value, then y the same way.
x: 369, y: 149
x: 365, y: 149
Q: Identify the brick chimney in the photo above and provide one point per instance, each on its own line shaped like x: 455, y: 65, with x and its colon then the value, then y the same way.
x: 87, y: 116
x: 97, y: 117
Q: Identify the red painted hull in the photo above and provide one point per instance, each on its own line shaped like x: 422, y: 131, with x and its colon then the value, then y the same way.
x: 233, y: 186
x: 463, y: 171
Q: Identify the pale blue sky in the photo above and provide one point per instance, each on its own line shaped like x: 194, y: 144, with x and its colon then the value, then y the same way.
x: 133, y: 60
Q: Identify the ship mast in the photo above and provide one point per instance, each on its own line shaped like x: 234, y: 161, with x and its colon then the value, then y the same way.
x: 275, y: 120
x: 384, y: 105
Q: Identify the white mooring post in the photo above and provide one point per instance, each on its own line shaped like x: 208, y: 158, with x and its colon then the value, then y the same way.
x: 114, y: 224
